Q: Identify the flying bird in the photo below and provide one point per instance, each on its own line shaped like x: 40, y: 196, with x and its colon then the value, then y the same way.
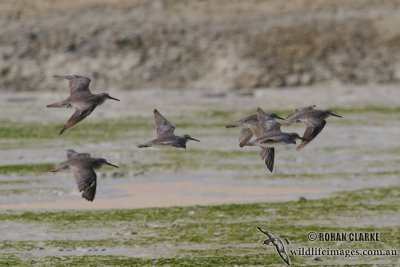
x: 165, y: 134
x: 80, y: 98
x: 274, y: 240
x: 257, y: 126
x: 82, y: 166
x: 313, y: 118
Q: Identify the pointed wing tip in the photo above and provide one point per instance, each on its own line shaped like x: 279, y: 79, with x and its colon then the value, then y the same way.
x: 302, y: 145
x: 63, y: 130
x: 88, y: 198
x: 262, y: 229
x: 89, y: 195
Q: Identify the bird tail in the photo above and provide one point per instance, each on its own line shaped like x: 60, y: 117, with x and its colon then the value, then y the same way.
x: 143, y: 145
x: 57, y: 167
x: 231, y: 125
x: 61, y: 104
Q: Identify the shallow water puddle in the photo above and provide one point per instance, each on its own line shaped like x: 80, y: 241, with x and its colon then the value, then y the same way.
x: 183, y: 193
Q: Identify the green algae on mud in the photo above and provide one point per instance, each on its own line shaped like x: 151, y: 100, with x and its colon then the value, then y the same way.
x: 25, y: 168
x: 206, y: 235
x: 92, y: 129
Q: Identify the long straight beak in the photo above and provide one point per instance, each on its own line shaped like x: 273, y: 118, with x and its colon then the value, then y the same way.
x: 191, y: 138
x: 336, y: 115
x: 280, y: 117
x: 108, y: 163
x: 113, y: 98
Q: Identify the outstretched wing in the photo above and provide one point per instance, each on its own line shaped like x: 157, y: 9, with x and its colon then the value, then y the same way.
x: 76, y: 82
x: 277, y: 243
x: 268, y: 155
x: 272, y: 137
x: 298, y: 113
x: 305, y: 108
x: 284, y: 257
x: 264, y: 231
x: 77, y: 117
x: 86, y: 180
x: 243, y: 121
x: 311, y: 132
x: 245, y: 136
x: 164, y: 127
x: 266, y: 123
x: 73, y: 154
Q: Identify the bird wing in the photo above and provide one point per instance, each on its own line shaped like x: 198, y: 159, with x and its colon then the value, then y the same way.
x: 298, y: 112
x: 272, y: 126
x: 245, y: 135
x: 77, y: 117
x: 72, y: 154
x: 266, y: 123
x: 284, y: 257
x: 271, y: 136
x: 76, y: 83
x: 264, y: 231
x: 280, y: 248
x: 305, y: 108
x: 245, y: 120
x: 86, y: 180
x: 164, y: 127
x: 268, y: 155
x: 316, y: 126
x: 261, y: 114
x: 256, y: 129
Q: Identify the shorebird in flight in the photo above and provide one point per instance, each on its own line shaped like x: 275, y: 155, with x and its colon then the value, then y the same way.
x: 314, y: 119
x: 80, y: 98
x: 165, y: 134
x: 274, y: 240
x: 272, y: 138
x: 258, y: 125
x: 82, y: 166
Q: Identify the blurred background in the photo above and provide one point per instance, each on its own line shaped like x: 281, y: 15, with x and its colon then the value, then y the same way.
x: 209, y: 44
